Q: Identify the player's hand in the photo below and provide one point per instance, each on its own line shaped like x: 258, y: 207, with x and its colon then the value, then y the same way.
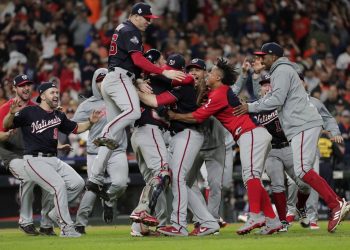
x: 241, y: 110
x: 258, y: 66
x: 65, y: 148
x: 337, y: 139
x: 246, y: 66
x: 171, y: 115
x: 174, y: 75
x: 15, y: 106
x: 95, y: 116
x: 145, y: 87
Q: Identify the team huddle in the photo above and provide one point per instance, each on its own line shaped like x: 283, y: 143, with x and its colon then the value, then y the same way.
x: 182, y: 116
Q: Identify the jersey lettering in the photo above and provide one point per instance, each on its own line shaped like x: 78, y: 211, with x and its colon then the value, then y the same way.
x: 278, y: 126
x: 113, y: 47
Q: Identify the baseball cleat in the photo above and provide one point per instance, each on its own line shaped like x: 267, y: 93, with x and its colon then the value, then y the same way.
x: 47, y: 231
x: 337, y: 214
x: 104, y: 141
x: 304, y: 221
x: 145, y: 218
x: 173, y: 231
x: 99, y: 190
x: 107, y: 213
x: 203, y: 231
x: 135, y: 217
x: 141, y: 230
x: 314, y: 225
x: 222, y: 223
x: 29, y: 230
x: 285, y: 226
x: 254, y: 221
x: 69, y: 232
x: 272, y: 226
x: 80, y: 229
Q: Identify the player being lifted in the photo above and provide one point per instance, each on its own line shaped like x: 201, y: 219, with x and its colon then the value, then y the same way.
x: 125, y: 63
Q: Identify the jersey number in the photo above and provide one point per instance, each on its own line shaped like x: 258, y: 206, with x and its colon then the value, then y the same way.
x: 55, y: 134
x: 113, y: 47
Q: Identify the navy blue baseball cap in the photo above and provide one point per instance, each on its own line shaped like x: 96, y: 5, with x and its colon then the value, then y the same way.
x: 271, y: 49
x: 176, y: 61
x: 43, y: 87
x: 142, y: 9
x: 265, y: 79
x: 21, y: 80
x: 152, y: 55
x: 197, y: 63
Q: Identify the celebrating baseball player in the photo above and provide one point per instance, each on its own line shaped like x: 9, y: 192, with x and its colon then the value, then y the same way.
x: 300, y: 122
x: 253, y: 140
x: 148, y: 143
x: 12, y: 154
x: 330, y: 125
x: 184, y: 145
x: 116, y: 168
x: 125, y: 63
x: 39, y: 126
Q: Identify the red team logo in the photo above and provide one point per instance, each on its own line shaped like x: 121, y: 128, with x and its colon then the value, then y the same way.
x: 113, y: 47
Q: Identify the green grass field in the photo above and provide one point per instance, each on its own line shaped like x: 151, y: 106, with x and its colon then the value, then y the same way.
x: 118, y: 238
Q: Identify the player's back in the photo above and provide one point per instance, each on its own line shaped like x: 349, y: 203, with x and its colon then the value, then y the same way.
x: 126, y: 39
x: 237, y: 125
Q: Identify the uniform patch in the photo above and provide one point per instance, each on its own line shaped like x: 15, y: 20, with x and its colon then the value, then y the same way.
x: 134, y: 40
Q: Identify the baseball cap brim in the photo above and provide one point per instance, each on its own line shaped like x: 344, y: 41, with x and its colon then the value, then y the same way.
x: 151, y: 16
x: 259, y: 53
x: 193, y: 65
x: 24, y: 83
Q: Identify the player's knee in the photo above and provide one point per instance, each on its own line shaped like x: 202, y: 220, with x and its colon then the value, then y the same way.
x: 278, y: 188
x: 80, y: 184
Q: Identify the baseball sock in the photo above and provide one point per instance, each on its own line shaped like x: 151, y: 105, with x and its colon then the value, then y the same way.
x: 266, y: 204
x: 302, y: 198
x: 254, y: 195
x: 322, y: 187
x: 281, y: 204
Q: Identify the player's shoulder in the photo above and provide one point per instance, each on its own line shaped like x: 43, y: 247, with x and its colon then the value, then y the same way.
x: 127, y: 27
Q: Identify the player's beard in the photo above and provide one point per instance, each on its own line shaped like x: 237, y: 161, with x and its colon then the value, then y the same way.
x: 53, y: 104
x: 25, y: 95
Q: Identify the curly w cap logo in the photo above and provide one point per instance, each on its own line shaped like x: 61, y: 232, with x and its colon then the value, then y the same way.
x: 171, y: 62
x: 194, y: 60
x: 134, y: 40
x: 24, y: 77
x: 139, y: 11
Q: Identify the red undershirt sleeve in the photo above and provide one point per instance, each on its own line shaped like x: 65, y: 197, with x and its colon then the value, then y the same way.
x: 141, y: 62
x: 165, y: 98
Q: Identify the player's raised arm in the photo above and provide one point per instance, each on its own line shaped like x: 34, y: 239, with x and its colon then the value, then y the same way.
x: 94, y: 117
x: 14, y: 108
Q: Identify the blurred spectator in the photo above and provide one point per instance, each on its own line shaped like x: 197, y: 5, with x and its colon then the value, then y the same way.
x: 3, y: 97
x: 70, y: 77
x: 80, y: 28
x: 343, y: 60
x: 344, y: 127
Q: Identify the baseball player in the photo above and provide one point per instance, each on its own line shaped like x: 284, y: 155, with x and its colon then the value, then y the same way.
x: 39, y: 126
x: 11, y: 151
x: 213, y: 150
x: 125, y: 63
x: 331, y: 125
x: 300, y: 122
x: 148, y: 143
x: 184, y: 145
x: 116, y: 168
x: 254, y: 144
